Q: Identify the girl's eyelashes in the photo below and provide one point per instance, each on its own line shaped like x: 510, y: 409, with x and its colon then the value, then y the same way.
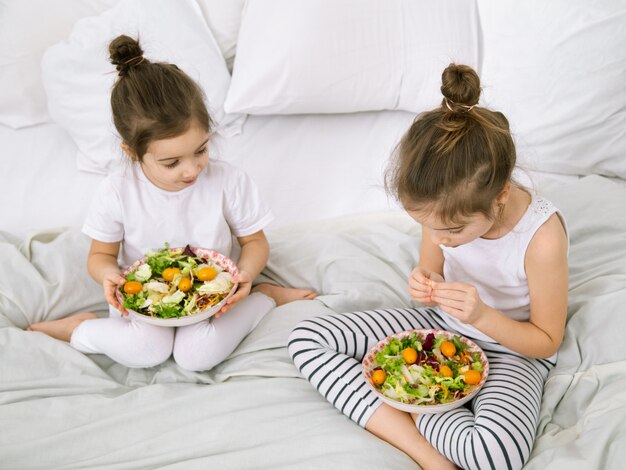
x: 199, y: 153
x: 456, y: 230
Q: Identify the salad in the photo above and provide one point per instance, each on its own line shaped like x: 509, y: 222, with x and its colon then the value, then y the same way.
x: 171, y: 283
x: 427, y: 370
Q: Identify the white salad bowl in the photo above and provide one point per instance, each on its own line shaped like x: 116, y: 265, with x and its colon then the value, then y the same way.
x: 222, y: 261
x: 370, y: 365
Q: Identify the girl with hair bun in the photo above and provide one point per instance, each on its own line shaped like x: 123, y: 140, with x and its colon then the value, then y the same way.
x: 492, y: 267
x: 172, y: 193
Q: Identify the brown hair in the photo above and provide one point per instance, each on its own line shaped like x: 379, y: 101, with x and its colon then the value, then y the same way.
x: 152, y: 101
x: 455, y: 159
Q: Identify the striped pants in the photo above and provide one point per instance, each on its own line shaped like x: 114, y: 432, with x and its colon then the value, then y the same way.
x: 497, y: 429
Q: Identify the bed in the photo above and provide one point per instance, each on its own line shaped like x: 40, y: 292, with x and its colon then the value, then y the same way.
x: 310, y: 99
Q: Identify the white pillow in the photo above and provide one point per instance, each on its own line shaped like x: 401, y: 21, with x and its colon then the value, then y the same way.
x: 328, y: 56
x: 224, y: 19
x: 557, y: 70
x: 27, y: 28
x: 78, y: 76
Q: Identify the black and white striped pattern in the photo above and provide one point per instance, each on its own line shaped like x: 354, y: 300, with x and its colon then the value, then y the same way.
x: 496, y: 431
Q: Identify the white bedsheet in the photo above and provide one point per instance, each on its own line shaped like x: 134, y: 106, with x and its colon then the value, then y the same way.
x: 64, y: 409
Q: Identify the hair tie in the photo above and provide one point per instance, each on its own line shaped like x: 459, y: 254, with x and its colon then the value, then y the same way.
x: 127, y: 64
x: 138, y: 58
x: 466, y: 108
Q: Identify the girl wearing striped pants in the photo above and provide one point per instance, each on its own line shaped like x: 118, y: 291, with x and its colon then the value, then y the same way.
x: 492, y: 267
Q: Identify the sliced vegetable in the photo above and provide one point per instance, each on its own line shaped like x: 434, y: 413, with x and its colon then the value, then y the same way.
x: 175, y: 283
x: 427, y: 370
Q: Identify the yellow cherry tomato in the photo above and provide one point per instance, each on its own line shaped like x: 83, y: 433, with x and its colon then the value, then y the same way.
x: 206, y: 274
x: 447, y: 349
x: 446, y: 371
x: 379, y: 376
x: 169, y: 273
x: 184, y: 284
x: 133, y: 287
x: 409, y: 355
x: 472, y: 377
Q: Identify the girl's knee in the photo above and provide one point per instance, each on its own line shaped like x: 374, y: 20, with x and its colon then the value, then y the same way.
x: 305, y: 335
x: 151, y: 350
x: 299, y: 331
x: 498, y: 450
x: 478, y: 446
x: 197, y: 359
x: 196, y: 363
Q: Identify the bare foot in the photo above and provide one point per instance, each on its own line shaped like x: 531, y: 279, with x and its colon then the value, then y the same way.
x: 62, y: 329
x: 283, y: 295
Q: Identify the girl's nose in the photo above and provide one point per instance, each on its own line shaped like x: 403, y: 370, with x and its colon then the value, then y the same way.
x: 190, y: 170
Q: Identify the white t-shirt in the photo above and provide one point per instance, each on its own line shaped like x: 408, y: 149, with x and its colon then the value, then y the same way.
x: 128, y: 208
x: 496, y: 267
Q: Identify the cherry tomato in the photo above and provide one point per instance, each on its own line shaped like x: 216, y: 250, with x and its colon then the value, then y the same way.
x: 446, y: 371
x: 184, y: 284
x: 447, y: 349
x: 133, y: 287
x: 206, y: 274
x: 169, y: 273
x: 409, y: 355
x: 379, y: 376
x: 472, y: 377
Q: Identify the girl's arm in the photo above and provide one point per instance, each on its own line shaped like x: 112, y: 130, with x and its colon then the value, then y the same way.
x: 547, y: 273
x: 431, y: 256
x: 103, y: 268
x: 255, y: 251
x: 429, y: 268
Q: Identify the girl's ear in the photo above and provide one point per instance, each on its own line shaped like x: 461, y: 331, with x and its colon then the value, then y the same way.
x: 129, y: 152
x: 503, y: 197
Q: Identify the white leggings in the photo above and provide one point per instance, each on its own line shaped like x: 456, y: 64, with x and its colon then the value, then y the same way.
x: 196, y: 347
x: 496, y: 431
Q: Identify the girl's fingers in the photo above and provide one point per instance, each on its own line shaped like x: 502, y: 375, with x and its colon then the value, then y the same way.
x: 423, y: 289
x: 236, y: 297
x: 449, y: 294
x: 455, y: 312
x: 456, y: 286
x: 444, y: 301
x: 424, y: 286
x: 420, y: 297
x: 421, y: 280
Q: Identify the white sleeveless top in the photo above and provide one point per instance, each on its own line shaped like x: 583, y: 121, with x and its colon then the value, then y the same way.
x: 496, y: 267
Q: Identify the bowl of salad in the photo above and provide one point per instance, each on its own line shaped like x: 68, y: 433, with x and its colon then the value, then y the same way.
x: 425, y: 371
x: 177, y: 286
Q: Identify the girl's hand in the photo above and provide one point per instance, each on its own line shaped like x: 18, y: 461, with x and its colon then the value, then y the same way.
x: 420, y: 285
x: 243, y: 290
x: 459, y: 300
x: 110, y: 282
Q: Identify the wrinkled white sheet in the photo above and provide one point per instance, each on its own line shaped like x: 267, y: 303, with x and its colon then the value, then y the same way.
x: 62, y: 409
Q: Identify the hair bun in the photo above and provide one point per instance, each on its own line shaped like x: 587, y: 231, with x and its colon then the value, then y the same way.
x: 460, y: 86
x: 125, y: 53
